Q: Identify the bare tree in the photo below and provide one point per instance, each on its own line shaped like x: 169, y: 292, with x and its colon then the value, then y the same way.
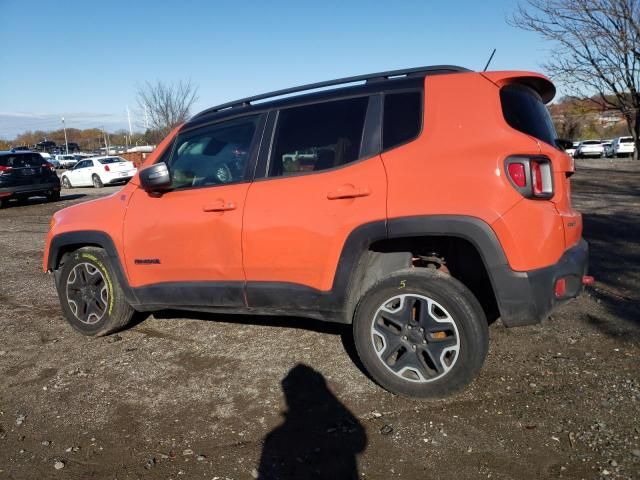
x: 596, y: 50
x: 166, y: 105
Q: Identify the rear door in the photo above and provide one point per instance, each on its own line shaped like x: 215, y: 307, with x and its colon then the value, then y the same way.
x: 323, y: 180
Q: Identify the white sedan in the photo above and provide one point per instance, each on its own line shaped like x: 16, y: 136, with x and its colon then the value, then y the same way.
x: 98, y: 171
x: 590, y: 148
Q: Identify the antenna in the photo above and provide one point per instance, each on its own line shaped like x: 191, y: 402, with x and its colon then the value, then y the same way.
x: 490, y: 58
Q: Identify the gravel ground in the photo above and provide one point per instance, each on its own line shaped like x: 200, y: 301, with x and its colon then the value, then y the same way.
x: 184, y: 396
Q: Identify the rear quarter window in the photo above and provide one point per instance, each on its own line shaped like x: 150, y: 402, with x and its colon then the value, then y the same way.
x: 402, y: 118
x: 524, y: 111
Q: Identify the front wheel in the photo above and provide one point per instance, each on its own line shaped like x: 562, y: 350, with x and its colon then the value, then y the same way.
x: 66, y: 183
x: 421, y: 334
x: 90, y: 295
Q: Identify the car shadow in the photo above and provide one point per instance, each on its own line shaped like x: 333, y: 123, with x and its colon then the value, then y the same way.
x: 319, y: 437
x: 345, y: 331
x: 40, y: 200
x: 613, y: 257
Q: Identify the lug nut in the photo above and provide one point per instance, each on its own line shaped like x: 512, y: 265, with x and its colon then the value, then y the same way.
x: 413, y: 347
x: 404, y: 338
x: 424, y: 341
x: 421, y: 330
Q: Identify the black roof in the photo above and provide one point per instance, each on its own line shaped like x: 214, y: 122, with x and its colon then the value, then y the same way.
x: 373, y: 82
x: 18, y: 152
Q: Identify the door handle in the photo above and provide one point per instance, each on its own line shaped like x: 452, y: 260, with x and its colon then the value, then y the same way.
x: 220, y: 206
x: 348, y: 191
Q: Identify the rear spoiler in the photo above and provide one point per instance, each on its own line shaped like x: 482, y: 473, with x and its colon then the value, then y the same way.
x: 538, y: 82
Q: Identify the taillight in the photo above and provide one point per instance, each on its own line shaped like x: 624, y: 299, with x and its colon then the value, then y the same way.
x: 4, y: 169
x: 531, y: 176
x: 50, y: 166
x: 536, y: 178
x: 106, y: 168
x: 516, y: 172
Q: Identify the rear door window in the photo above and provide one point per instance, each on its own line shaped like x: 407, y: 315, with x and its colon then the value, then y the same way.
x: 524, y: 110
x: 402, y: 118
x: 316, y: 137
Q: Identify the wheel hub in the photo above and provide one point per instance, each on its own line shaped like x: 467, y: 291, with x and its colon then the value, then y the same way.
x: 415, y: 338
x: 87, y: 294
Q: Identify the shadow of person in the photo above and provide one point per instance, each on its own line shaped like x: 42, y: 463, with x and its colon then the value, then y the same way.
x: 319, y: 437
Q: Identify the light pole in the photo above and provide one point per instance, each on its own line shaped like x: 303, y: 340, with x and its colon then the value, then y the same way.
x: 66, y: 144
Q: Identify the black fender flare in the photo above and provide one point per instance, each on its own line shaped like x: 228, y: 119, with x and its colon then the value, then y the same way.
x: 472, y: 229
x: 86, y: 238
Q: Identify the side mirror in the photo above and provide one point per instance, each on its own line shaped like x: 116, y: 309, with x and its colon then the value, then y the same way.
x: 155, y: 178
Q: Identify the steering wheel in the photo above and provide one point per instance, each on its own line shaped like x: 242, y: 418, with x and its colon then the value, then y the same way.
x: 223, y: 174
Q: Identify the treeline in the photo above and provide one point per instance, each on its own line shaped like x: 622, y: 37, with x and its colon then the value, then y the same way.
x: 588, y: 118
x: 88, y: 139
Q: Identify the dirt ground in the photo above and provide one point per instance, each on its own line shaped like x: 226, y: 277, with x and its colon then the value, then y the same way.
x: 225, y: 397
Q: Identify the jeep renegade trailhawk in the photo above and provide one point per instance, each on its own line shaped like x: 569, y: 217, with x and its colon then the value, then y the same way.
x: 418, y: 205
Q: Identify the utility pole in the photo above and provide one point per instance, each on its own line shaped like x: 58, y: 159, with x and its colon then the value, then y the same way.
x: 106, y: 141
x: 129, y: 118
x: 66, y: 144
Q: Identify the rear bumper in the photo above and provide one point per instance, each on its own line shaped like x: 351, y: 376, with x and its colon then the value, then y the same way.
x: 34, y: 189
x: 525, y: 298
x: 591, y: 154
x: 112, y: 178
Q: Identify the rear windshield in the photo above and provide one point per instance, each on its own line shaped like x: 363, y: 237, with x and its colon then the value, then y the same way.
x: 111, y: 160
x: 20, y: 161
x: 592, y: 142
x: 626, y: 140
x: 524, y: 110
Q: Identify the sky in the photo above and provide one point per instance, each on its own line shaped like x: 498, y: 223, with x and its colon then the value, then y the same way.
x: 84, y: 60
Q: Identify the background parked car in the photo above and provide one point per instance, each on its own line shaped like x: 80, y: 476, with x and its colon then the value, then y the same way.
x: 56, y: 164
x: 572, y: 149
x: 622, y: 147
x: 590, y: 148
x: 27, y: 174
x: 66, y: 161
x: 99, y: 171
x: 606, y: 144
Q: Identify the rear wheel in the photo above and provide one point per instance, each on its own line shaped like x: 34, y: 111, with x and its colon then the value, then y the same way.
x: 421, y: 333
x: 97, y: 183
x: 91, y: 298
x: 53, y: 197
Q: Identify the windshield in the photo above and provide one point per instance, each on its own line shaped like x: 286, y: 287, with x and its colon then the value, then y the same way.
x: 111, y: 160
x: 524, y: 110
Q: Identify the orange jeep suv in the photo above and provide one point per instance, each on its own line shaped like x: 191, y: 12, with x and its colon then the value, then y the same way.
x: 418, y: 205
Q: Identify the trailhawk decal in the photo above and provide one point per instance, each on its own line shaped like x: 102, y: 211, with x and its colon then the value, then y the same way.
x: 105, y: 273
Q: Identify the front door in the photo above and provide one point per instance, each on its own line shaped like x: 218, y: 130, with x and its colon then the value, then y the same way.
x: 79, y: 176
x: 183, y: 248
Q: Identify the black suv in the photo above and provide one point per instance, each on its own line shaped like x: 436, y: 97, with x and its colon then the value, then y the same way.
x: 27, y: 174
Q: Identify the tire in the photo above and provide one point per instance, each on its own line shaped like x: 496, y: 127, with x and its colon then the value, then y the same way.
x: 53, y: 197
x: 451, y: 328
x: 107, y: 309
x: 66, y: 183
x: 97, y: 183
